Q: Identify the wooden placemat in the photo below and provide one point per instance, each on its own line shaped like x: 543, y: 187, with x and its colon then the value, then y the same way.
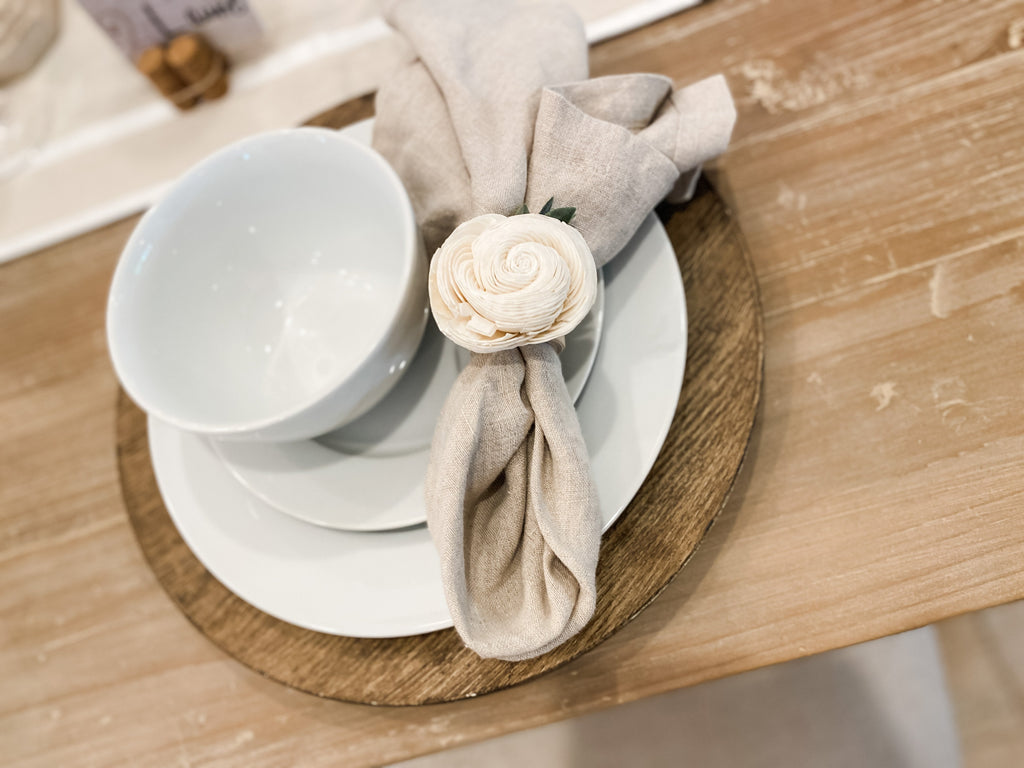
x: 640, y: 554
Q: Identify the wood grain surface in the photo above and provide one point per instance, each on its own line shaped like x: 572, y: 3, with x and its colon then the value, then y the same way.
x: 640, y: 554
x: 875, y: 173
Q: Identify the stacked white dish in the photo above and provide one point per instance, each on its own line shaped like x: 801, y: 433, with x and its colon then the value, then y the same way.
x: 322, y: 526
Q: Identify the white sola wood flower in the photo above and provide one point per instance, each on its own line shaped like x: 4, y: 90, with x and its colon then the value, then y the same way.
x: 500, y: 282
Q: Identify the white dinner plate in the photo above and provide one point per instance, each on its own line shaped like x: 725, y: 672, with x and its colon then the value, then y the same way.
x: 335, y: 481
x: 388, y: 584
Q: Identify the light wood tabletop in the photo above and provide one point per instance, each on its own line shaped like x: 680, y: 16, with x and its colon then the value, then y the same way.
x: 877, y: 171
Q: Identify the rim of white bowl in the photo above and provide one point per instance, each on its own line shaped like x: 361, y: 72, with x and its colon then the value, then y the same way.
x: 411, y: 248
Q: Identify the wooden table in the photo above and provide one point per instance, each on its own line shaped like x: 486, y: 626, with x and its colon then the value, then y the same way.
x: 878, y: 172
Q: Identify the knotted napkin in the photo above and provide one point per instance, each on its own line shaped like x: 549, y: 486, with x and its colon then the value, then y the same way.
x: 497, y: 111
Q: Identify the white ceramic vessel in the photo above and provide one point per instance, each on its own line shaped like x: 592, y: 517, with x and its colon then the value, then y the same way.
x: 307, y: 478
x: 277, y: 291
x: 388, y: 584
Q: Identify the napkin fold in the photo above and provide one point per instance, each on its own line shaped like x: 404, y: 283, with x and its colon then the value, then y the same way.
x: 496, y: 110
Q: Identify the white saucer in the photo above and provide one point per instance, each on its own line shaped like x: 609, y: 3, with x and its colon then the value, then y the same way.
x: 335, y: 481
x: 388, y: 584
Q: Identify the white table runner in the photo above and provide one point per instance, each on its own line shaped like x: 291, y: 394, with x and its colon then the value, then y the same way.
x: 113, y: 144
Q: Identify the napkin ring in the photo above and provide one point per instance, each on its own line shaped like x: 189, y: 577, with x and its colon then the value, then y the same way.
x: 501, y: 282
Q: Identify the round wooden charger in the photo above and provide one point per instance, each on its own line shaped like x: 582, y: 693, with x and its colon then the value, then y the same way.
x: 640, y: 554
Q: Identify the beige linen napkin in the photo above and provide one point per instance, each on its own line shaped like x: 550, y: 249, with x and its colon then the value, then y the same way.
x: 497, y: 110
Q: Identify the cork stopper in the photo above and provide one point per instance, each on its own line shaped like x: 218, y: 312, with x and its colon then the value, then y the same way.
x: 196, y: 61
x: 152, y: 62
x: 220, y: 85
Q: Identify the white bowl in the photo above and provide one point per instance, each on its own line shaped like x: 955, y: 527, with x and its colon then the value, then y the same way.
x: 277, y: 292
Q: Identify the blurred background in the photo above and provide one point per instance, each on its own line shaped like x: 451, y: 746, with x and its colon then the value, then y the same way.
x: 86, y: 138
